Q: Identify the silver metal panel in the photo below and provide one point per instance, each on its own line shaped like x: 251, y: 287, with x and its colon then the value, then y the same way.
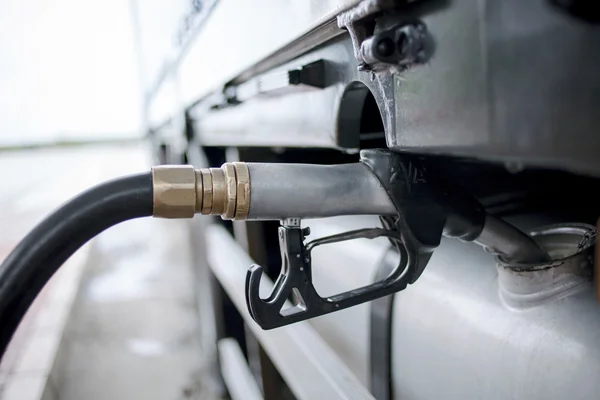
x: 304, y: 119
x: 216, y: 56
x: 308, y: 365
x: 544, y: 83
x: 509, y: 80
x: 445, y: 102
x: 329, y: 117
x: 452, y: 329
x: 293, y: 120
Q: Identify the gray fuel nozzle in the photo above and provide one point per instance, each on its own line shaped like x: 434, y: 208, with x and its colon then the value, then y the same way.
x: 415, y: 207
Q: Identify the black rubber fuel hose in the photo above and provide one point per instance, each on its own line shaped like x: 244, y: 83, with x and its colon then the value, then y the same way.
x: 38, y: 256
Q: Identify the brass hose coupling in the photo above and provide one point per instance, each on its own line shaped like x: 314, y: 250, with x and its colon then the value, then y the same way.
x: 180, y: 191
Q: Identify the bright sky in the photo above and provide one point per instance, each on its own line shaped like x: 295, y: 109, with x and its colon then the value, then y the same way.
x: 68, y: 68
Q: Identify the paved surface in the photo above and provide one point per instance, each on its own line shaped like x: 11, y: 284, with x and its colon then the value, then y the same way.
x: 133, y: 332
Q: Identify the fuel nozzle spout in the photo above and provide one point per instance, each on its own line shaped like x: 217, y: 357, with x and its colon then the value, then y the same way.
x: 262, y: 191
x: 393, y: 186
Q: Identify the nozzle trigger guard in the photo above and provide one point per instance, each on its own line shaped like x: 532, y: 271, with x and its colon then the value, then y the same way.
x: 295, y: 280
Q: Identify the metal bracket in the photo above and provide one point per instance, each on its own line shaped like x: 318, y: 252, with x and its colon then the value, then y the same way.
x: 398, y: 48
x: 385, y: 49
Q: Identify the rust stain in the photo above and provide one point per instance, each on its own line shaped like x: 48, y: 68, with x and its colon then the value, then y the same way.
x: 533, y: 268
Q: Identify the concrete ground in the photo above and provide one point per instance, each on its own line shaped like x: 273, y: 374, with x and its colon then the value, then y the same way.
x: 132, y: 332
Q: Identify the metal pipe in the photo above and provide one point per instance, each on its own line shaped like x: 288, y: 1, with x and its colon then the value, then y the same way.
x: 278, y: 191
x: 507, y: 241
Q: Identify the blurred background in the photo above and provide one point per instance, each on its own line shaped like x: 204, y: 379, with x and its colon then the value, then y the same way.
x: 119, y: 320
x: 68, y: 71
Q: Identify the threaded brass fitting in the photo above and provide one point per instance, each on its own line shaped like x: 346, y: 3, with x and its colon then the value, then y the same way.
x: 180, y: 191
